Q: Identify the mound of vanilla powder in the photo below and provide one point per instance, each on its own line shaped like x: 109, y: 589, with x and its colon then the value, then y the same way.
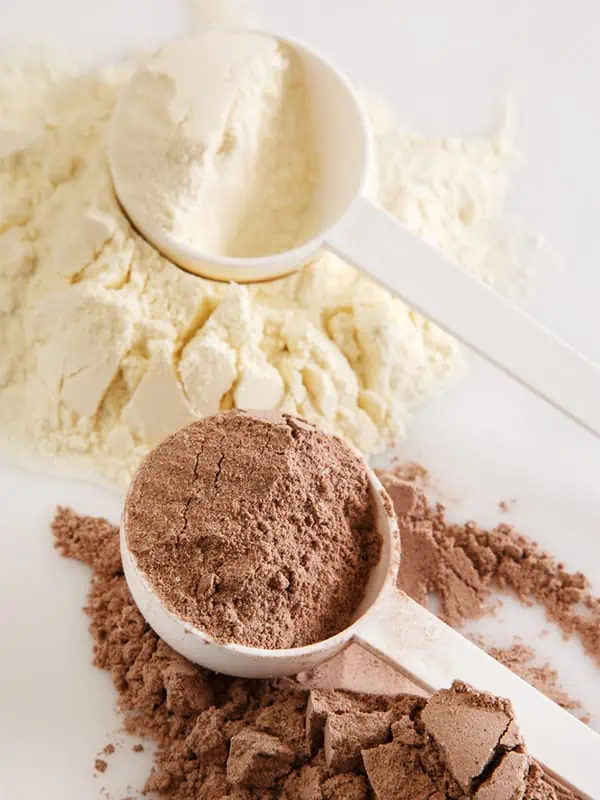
x: 106, y: 347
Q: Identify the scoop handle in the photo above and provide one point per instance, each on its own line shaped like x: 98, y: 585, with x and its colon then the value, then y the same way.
x: 432, y: 655
x: 376, y: 243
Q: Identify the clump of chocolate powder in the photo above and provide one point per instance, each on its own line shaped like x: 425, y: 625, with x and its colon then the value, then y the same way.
x: 462, y: 564
x: 257, y: 528
x: 220, y: 737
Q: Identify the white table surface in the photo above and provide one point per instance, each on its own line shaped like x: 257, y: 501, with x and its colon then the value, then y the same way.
x: 445, y: 68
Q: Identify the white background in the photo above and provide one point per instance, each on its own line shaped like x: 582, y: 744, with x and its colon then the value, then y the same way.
x: 445, y: 68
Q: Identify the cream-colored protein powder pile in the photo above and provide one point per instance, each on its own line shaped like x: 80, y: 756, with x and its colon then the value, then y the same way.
x: 214, y: 143
x: 106, y: 347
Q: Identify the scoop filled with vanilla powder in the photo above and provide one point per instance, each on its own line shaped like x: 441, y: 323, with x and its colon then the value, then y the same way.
x: 257, y: 528
x: 214, y: 143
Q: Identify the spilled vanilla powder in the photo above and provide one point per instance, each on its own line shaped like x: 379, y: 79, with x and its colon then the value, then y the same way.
x: 106, y: 347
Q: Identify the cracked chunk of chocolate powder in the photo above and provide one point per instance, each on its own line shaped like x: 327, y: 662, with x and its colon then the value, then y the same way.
x: 468, y: 728
x: 257, y: 528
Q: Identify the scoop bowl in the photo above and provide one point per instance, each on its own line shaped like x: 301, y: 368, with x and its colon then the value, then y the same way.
x: 251, y: 662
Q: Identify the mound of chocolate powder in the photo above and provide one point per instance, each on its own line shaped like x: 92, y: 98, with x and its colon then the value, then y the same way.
x: 257, y: 528
x: 220, y: 737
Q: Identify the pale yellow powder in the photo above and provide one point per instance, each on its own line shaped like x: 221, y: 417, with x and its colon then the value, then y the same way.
x: 214, y: 144
x: 105, y: 347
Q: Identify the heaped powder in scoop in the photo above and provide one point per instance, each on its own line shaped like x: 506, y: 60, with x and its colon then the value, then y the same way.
x: 257, y: 528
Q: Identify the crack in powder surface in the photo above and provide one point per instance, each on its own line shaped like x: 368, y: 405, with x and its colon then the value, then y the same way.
x: 258, y: 528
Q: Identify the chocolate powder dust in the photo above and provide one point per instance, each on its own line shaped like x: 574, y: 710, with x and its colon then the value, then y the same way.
x: 461, y: 565
x: 257, y: 528
x: 222, y: 738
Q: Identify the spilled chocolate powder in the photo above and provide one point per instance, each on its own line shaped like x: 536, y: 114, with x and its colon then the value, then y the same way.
x: 463, y: 564
x: 219, y: 737
x: 520, y: 658
x: 257, y: 528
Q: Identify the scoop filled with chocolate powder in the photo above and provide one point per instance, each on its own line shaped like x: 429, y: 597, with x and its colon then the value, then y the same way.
x: 257, y: 529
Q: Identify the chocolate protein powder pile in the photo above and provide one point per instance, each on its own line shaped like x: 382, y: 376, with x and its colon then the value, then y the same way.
x: 221, y: 738
x: 257, y: 528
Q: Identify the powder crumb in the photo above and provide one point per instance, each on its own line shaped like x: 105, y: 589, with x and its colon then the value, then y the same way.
x: 100, y: 765
x: 507, y: 505
x: 411, y: 472
x: 287, y: 564
x: 257, y: 759
x: 253, y: 731
x: 109, y: 749
x: 137, y: 748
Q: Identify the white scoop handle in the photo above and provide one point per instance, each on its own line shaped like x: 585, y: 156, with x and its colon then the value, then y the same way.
x: 377, y: 244
x: 432, y: 655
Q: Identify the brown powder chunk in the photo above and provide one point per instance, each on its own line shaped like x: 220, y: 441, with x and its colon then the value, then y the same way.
x: 467, y: 726
x: 100, y: 765
x: 137, y: 748
x: 405, y: 732
x: 285, y: 719
x: 319, y: 706
x: 508, y: 780
x: 257, y: 759
x: 257, y: 528
x: 109, y: 749
x: 347, y: 734
x: 395, y: 773
x: 325, y: 704
x: 402, y: 494
x: 511, y: 738
x: 345, y: 787
x: 207, y: 739
x: 187, y: 689
x: 304, y: 784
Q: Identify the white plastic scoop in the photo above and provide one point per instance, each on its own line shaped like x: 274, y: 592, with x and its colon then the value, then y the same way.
x: 373, y: 241
x: 405, y: 635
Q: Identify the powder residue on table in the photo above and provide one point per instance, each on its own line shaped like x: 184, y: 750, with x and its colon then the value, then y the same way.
x: 256, y: 527
x: 465, y: 567
x: 221, y: 737
x: 522, y: 659
x: 106, y: 347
